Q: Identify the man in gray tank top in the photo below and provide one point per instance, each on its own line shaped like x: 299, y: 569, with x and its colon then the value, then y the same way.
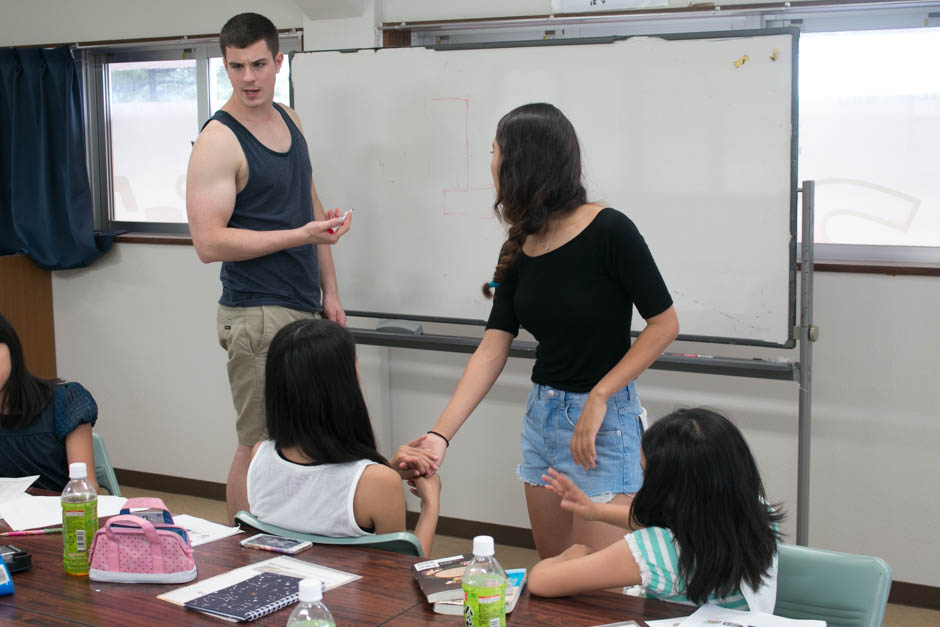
x: 252, y: 205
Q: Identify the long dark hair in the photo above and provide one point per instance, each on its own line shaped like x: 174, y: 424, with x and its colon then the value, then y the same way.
x: 539, y: 174
x: 245, y: 29
x: 312, y: 396
x: 701, y: 483
x: 23, y: 396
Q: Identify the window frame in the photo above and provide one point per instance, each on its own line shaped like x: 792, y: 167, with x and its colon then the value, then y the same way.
x: 94, y: 62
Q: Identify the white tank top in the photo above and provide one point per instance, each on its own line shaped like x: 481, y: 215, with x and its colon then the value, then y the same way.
x: 310, y: 499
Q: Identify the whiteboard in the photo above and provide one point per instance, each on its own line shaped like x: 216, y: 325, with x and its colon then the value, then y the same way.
x: 695, y: 148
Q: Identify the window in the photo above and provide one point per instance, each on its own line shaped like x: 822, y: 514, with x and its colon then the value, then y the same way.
x: 153, y: 117
x: 145, y: 107
x: 869, y: 131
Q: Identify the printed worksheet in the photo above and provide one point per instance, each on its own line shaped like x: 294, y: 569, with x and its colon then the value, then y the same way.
x: 284, y: 565
x: 202, y: 531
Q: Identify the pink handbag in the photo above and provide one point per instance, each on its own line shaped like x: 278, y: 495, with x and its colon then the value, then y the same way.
x: 132, y: 549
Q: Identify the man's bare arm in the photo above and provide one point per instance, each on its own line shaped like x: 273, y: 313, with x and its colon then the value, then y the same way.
x: 210, y: 201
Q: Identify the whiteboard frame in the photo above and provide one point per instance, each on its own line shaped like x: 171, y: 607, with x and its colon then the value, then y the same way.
x: 793, y: 32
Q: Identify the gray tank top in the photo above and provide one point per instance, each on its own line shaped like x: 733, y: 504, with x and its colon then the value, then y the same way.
x: 276, y: 196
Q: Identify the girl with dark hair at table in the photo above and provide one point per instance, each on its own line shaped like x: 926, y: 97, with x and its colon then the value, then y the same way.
x: 701, y: 529
x: 45, y: 424
x: 320, y: 471
x: 570, y: 272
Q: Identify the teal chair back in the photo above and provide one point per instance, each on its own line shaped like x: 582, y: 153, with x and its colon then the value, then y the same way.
x: 104, y: 471
x: 842, y: 589
x: 398, y: 542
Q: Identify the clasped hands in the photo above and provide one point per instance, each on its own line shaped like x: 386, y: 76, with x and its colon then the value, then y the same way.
x: 419, y: 458
x: 417, y: 463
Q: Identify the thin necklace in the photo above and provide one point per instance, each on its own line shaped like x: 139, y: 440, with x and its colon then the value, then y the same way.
x: 547, y: 242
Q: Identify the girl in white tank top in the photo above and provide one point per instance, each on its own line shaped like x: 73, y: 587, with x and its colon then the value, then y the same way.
x: 321, y: 471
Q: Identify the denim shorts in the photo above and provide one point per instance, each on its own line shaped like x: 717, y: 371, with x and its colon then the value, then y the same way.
x: 550, y: 418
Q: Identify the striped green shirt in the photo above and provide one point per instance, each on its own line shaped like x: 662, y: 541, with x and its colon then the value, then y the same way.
x: 655, y: 552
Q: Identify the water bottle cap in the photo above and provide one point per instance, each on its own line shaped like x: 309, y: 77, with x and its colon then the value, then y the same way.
x: 311, y: 590
x: 77, y: 470
x: 483, y: 546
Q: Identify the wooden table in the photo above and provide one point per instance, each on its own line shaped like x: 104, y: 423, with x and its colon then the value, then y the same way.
x: 385, y: 595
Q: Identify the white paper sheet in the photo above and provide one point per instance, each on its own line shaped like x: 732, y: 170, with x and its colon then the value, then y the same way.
x: 202, y: 531
x: 666, y: 622
x: 12, y: 488
x: 284, y: 565
x: 32, y: 512
x: 710, y: 615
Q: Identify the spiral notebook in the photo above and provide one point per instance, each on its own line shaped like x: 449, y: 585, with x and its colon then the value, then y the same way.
x: 250, y: 599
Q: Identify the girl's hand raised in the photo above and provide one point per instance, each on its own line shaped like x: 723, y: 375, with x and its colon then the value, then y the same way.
x: 572, y: 497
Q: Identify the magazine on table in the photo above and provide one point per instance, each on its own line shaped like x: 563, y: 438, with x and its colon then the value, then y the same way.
x: 440, y: 579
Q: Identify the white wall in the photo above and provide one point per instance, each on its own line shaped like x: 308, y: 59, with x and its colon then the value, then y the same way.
x: 138, y: 329
x: 25, y: 22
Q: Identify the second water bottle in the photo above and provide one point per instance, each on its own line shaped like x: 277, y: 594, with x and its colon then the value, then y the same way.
x: 484, y: 587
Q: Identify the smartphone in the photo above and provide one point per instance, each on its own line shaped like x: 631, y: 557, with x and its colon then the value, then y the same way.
x: 278, y: 544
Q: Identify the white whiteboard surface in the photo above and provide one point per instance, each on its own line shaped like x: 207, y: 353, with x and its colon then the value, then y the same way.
x: 694, y: 148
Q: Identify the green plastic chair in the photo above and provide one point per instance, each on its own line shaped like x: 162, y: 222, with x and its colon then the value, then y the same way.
x: 104, y: 471
x: 843, y: 589
x: 399, y: 542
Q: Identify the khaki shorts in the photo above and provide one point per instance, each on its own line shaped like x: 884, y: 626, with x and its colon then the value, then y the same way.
x: 246, y: 333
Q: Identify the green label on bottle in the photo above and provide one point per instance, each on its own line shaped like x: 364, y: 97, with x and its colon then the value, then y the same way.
x: 79, y: 524
x: 484, y: 606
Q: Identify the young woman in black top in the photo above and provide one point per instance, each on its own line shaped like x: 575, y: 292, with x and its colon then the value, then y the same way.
x: 570, y: 272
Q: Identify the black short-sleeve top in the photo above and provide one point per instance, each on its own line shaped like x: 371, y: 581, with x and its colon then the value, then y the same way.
x: 39, y: 447
x: 577, y: 300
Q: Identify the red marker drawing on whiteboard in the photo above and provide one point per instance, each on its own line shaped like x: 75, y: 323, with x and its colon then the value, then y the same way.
x: 333, y: 229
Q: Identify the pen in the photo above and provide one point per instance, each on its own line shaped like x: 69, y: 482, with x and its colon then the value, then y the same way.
x: 694, y: 355
x: 31, y: 532
x: 333, y: 229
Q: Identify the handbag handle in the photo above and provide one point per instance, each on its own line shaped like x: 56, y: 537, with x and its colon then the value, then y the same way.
x: 149, y: 532
x: 129, y: 520
x: 149, y: 502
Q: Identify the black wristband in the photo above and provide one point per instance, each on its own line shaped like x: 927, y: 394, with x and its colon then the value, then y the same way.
x: 441, y: 436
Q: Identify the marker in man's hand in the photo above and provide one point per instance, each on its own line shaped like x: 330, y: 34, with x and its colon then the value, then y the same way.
x: 333, y: 229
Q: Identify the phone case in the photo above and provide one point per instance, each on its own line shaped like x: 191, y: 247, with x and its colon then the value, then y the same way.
x: 278, y: 544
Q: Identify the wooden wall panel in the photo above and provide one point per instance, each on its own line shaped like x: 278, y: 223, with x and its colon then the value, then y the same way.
x: 26, y: 301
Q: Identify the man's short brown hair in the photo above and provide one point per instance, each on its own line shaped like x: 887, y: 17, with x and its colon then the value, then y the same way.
x: 245, y: 29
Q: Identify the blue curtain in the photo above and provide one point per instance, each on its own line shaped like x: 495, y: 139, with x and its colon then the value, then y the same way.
x: 45, y: 200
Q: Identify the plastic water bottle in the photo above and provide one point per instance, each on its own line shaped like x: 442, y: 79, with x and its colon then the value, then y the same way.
x: 79, y: 520
x: 311, y: 612
x: 484, y: 587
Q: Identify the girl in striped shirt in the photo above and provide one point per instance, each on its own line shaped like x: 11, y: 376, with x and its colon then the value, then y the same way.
x: 700, y: 528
